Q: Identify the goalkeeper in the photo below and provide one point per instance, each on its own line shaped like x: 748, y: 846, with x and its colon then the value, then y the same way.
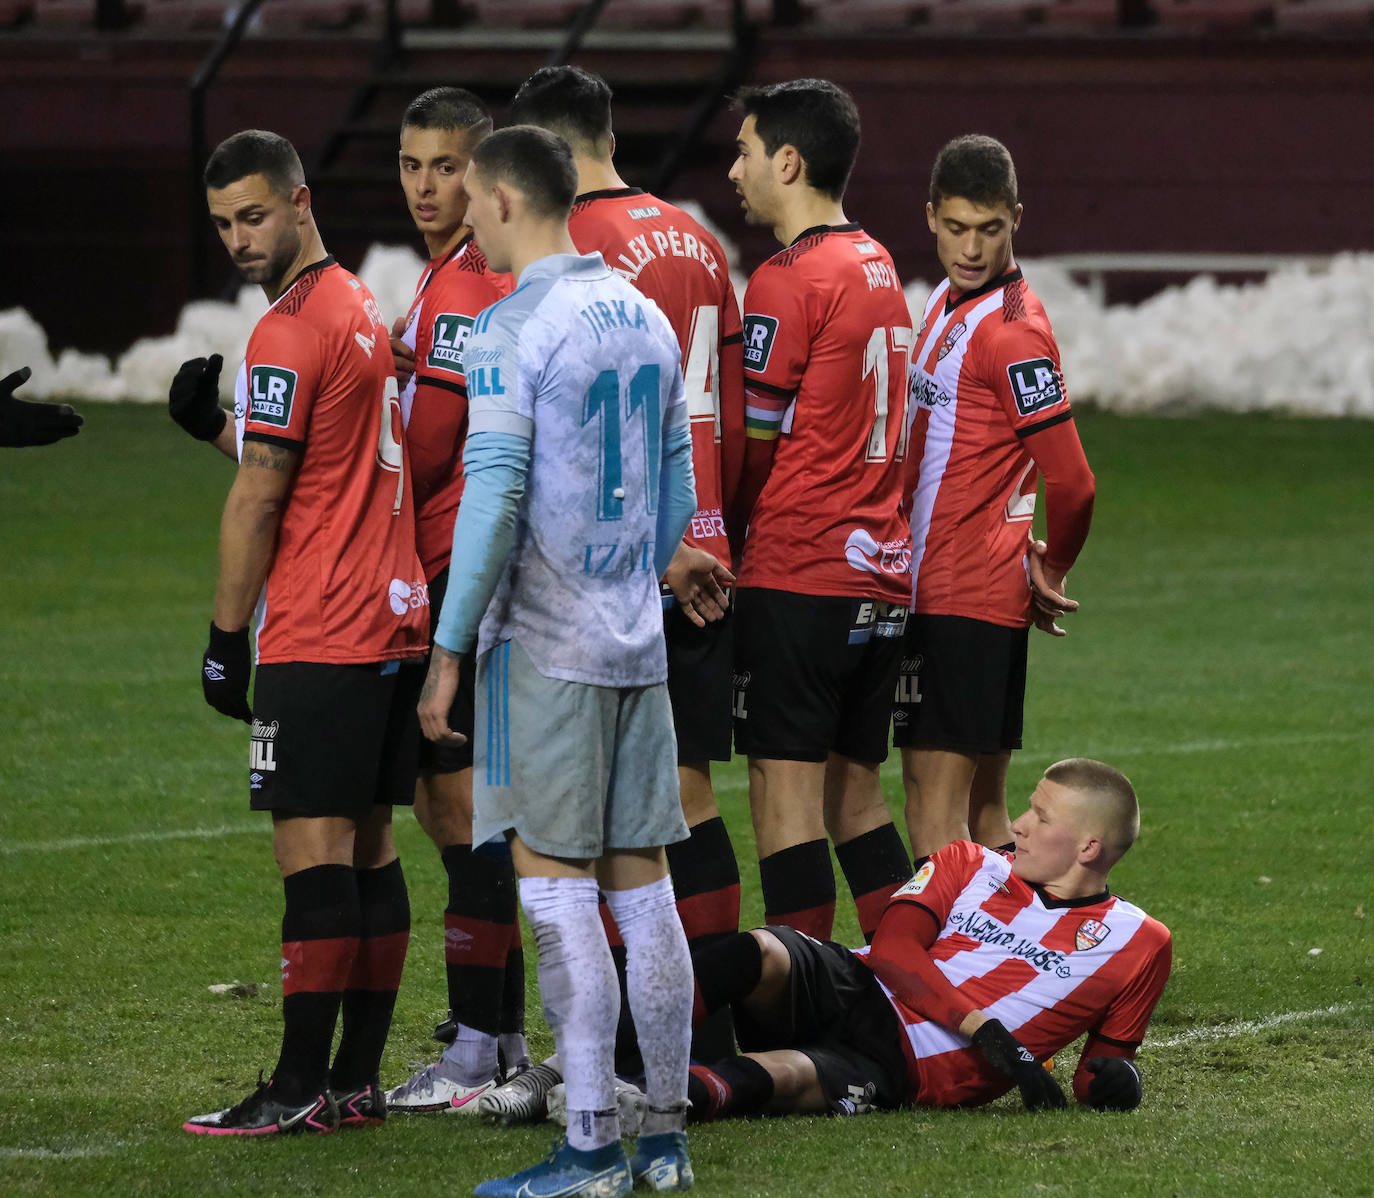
x: 983, y: 966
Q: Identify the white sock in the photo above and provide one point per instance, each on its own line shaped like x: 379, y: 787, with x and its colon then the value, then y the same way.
x: 471, y: 1059
x: 515, y: 1051
x: 658, y: 975
x: 581, y: 999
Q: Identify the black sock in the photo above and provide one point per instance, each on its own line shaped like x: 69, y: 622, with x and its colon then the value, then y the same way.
x: 376, y: 975
x: 319, y: 932
x: 875, y: 864
x: 799, y: 888
x: 735, y: 1086
x: 706, y: 884
x: 725, y: 972
x: 479, y: 925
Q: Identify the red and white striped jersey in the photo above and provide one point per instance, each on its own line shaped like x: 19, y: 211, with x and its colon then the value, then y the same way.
x: 1049, y: 969
x: 984, y: 376
x: 434, y: 405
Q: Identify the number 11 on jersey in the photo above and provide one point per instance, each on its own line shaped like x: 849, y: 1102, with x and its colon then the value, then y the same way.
x: 603, y: 400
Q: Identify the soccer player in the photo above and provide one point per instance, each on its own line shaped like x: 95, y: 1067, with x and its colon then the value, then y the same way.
x: 319, y: 521
x: 984, y: 965
x: 823, y: 583
x: 679, y: 265
x: 990, y: 414
x: 23, y: 422
x: 483, y: 957
x: 579, y: 487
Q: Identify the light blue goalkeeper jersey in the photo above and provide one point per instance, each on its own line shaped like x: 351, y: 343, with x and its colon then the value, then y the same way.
x: 579, y: 483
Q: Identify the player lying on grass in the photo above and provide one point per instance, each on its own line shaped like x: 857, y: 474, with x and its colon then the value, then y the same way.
x: 983, y: 965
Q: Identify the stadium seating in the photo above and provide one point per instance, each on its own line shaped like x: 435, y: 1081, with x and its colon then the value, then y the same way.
x: 1324, y: 14
x: 1222, y: 15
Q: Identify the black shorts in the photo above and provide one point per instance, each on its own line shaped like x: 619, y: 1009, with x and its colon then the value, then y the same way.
x: 447, y: 758
x: 840, y: 1018
x: 814, y: 674
x: 962, y: 686
x: 699, y: 663
x: 334, y: 740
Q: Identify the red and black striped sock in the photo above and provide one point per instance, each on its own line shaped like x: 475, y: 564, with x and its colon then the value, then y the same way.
x: 513, y: 989
x: 875, y: 864
x: 479, y: 924
x: 706, y: 886
x: 319, y: 933
x: 799, y: 888
x: 370, y: 995
x: 734, y: 1086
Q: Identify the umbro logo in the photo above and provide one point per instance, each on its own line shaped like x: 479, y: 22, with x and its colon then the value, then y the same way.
x: 214, y: 670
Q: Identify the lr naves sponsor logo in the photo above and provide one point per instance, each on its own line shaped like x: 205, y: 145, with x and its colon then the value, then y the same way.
x: 978, y: 926
x: 262, y: 748
x: 1035, y: 384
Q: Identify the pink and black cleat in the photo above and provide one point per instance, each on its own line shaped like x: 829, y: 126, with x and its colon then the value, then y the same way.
x: 263, y: 1113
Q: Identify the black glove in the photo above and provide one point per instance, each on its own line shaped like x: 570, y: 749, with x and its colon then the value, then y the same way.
x: 26, y: 423
x: 1005, y: 1053
x: 224, y: 673
x: 1116, y: 1084
x: 193, y: 398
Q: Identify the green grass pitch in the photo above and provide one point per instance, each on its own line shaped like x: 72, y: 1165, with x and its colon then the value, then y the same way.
x: 1223, y: 657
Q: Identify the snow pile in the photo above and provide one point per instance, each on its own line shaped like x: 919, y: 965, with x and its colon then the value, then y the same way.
x: 1301, y: 341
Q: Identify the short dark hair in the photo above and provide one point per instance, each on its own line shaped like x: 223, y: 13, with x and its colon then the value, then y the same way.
x: 818, y: 117
x: 448, y: 108
x: 976, y: 167
x: 537, y: 162
x: 1117, y: 808
x: 573, y: 103
x: 255, y: 152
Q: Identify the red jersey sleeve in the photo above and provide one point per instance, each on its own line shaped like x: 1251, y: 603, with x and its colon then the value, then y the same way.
x: 1021, y: 364
x: 1069, y: 489
x: 731, y: 368
x: 936, y: 886
x: 777, y: 344
x: 1129, y: 1013
x: 282, y: 368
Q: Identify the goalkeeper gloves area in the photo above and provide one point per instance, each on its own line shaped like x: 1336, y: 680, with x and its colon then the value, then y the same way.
x: 1116, y: 1084
x: 224, y: 673
x: 1005, y: 1053
x: 193, y: 398
x: 26, y: 423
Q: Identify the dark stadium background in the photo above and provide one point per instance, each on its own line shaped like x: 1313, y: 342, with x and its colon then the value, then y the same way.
x: 1152, y: 136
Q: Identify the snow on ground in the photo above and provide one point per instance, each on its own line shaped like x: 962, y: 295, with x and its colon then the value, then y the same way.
x: 1300, y: 341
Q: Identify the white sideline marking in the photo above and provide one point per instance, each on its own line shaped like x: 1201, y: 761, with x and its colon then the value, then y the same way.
x: 1249, y: 1027
x: 1221, y: 746
x: 93, y: 842
x: 56, y: 1154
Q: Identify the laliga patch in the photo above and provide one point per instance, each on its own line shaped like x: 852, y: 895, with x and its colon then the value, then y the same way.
x: 1035, y: 385
x: 918, y: 884
x: 1091, y: 933
x: 271, y: 390
x: 451, y: 332
x: 759, y: 333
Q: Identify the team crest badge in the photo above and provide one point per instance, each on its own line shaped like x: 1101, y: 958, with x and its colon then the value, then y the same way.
x: 951, y: 338
x: 1091, y: 933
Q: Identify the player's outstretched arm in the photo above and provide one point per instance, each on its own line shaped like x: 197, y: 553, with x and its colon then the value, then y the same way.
x: 193, y: 402
x: 23, y: 422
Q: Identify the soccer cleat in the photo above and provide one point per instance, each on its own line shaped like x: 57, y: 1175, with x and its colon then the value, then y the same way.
x: 567, y: 1172
x: 427, y: 1093
x: 362, y: 1108
x: 661, y: 1162
x: 523, y: 1099
x: 630, y: 1105
x: 263, y: 1113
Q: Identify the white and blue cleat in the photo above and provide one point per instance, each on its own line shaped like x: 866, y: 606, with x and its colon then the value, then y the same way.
x: 567, y: 1172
